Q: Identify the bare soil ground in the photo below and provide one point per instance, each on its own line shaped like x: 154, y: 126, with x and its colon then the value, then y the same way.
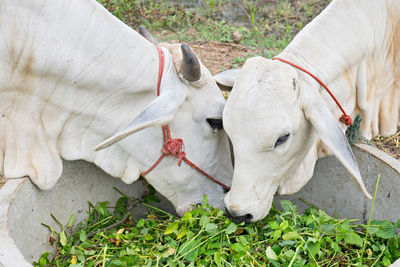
x: 217, y: 56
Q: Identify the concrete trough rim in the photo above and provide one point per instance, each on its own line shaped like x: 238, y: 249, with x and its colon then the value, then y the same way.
x: 10, y: 254
x: 379, y: 154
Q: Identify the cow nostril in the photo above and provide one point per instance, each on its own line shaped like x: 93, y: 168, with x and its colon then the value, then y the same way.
x: 245, y: 218
x: 248, y: 217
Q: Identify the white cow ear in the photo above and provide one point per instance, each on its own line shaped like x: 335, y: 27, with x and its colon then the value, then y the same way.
x: 160, y: 111
x: 328, y: 129
x: 226, y: 79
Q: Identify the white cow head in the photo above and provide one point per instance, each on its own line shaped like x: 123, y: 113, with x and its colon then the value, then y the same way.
x: 274, y: 118
x: 192, y: 104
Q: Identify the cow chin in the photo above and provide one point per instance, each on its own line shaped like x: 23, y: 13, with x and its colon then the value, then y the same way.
x: 260, y: 214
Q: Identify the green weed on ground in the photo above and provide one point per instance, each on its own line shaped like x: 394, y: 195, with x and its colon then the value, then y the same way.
x: 271, y: 24
x: 264, y: 26
x: 206, y: 237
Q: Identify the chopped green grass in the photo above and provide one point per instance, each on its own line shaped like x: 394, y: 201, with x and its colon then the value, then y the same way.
x: 206, y: 237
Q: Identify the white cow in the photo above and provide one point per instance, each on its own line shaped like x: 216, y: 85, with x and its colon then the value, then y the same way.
x: 72, y: 75
x: 280, y: 120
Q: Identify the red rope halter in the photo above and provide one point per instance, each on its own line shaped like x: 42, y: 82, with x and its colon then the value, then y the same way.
x: 175, y: 147
x: 346, y: 119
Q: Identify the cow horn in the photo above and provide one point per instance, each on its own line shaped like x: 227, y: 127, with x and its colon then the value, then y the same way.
x: 146, y: 34
x: 190, y: 67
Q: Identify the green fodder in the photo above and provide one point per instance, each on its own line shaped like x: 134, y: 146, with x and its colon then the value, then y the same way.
x: 206, y: 237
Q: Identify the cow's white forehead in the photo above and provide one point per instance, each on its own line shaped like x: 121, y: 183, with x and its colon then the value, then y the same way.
x: 265, y: 91
x: 265, y: 79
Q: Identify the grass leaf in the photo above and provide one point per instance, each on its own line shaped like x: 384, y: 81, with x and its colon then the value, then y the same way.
x: 63, y: 238
x: 231, y: 228
x: 270, y: 253
x: 288, y: 206
x: 291, y: 235
x: 353, y: 238
x: 71, y: 220
x: 82, y: 236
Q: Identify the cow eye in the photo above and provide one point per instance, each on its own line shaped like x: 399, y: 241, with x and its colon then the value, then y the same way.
x: 215, y: 123
x: 282, y: 139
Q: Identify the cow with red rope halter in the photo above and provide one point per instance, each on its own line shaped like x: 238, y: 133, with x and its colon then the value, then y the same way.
x: 286, y: 112
x: 76, y: 83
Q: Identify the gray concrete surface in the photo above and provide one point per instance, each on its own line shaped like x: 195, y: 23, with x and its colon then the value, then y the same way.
x: 10, y: 254
x: 333, y: 190
x: 23, y: 207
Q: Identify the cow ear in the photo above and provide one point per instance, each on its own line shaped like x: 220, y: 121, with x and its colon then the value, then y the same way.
x: 328, y: 129
x: 160, y: 111
x: 226, y: 79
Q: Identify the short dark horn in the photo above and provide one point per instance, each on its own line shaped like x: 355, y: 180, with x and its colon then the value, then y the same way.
x: 146, y: 34
x: 190, y: 67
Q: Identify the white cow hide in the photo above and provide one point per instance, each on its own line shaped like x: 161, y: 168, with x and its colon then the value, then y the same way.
x: 280, y: 120
x: 72, y: 75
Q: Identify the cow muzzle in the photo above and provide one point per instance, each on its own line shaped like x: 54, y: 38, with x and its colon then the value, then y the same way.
x: 246, y: 210
x: 239, y: 219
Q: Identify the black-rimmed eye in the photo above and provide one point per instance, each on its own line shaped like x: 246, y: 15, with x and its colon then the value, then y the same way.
x: 282, y: 139
x: 215, y: 123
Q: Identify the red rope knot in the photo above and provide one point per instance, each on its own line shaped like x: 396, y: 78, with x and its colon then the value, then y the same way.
x: 174, y: 147
x: 346, y: 119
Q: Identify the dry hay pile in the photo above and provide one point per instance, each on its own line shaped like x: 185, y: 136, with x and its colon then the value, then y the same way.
x: 389, y: 145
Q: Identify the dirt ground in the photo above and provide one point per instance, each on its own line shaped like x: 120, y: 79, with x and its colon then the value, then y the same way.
x: 217, y: 56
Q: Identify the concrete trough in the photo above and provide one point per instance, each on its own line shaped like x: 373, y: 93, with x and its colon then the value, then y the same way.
x: 23, y: 207
x: 333, y: 190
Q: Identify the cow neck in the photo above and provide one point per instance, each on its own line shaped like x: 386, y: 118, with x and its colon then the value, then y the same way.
x: 175, y: 146
x: 345, y: 118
